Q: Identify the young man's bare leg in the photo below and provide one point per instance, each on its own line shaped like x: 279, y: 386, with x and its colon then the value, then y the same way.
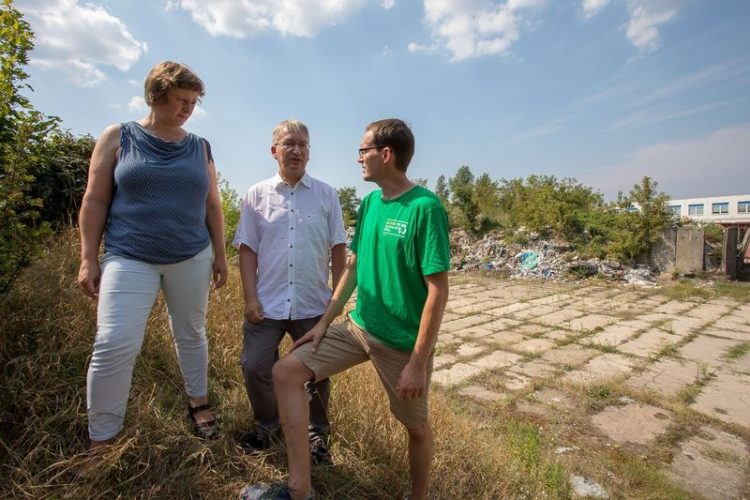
x: 420, y: 460
x: 289, y: 377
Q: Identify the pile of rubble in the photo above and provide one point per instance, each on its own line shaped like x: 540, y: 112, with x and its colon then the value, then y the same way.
x: 537, y: 258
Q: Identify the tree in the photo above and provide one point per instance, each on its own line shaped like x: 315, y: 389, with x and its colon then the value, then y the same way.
x: 420, y: 181
x: 442, y: 191
x: 462, y: 198
x: 230, y: 207
x: 349, y: 204
x: 645, y: 216
x: 22, y: 134
x: 60, y: 174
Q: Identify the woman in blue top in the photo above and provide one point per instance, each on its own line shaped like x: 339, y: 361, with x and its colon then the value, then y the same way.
x: 152, y: 194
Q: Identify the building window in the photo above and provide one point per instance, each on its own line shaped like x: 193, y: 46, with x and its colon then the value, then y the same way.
x: 743, y: 207
x: 695, y: 209
x: 720, y: 208
x: 675, y: 209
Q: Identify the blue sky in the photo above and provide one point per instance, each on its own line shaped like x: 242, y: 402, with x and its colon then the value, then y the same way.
x: 604, y: 91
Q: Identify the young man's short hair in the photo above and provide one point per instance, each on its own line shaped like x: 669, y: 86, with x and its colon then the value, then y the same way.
x: 397, y: 135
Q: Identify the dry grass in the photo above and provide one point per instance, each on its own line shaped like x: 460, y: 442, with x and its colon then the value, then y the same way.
x: 47, y: 332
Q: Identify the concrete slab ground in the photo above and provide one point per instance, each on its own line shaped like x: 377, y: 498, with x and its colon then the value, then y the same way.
x: 649, y: 343
x: 571, y: 355
x: 632, y: 423
x: 601, y: 369
x: 713, y: 464
x: 666, y: 377
x: 727, y: 398
x: 501, y: 339
x: 708, y: 350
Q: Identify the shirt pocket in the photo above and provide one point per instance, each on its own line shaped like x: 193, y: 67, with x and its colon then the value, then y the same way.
x: 314, y: 227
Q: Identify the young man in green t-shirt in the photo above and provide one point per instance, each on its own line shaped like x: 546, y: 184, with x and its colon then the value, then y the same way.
x: 399, y: 265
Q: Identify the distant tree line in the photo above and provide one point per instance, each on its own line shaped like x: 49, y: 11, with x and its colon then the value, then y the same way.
x: 558, y: 208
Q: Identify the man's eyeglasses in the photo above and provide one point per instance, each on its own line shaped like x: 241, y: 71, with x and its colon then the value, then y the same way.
x: 290, y: 146
x: 362, y: 151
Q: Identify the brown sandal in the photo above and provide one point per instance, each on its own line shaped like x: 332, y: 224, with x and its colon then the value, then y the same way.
x: 204, y: 430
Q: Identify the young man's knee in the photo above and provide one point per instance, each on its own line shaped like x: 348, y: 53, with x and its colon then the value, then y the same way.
x: 290, y: 372
x: 419, y: 433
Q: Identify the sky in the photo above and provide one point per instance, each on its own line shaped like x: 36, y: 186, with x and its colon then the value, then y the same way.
x: 603, y: 91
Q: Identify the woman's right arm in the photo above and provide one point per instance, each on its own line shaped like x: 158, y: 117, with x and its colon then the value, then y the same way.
x: 95, y: 208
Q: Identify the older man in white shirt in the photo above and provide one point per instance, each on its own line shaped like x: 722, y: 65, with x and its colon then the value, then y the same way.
x: 290, y: 228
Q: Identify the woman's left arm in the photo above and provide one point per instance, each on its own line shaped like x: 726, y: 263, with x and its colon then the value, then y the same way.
x: 215, y: 223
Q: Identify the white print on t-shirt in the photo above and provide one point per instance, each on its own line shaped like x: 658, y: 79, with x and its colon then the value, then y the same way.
x: 395, y: 227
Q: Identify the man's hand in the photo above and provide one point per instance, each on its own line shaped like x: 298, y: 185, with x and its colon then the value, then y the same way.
x: 412, y: 383
x: 89, y: 275
x: 315, y: 335
x: 253, y: 311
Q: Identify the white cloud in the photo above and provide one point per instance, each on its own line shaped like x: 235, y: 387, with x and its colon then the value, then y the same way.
x: 645, y: 18
x: 711, y: 165
x: 250, y: 17
x: 198, y: 113
x: 649, y: 116
x: 388, y: 4
x: 416, y: 47
x: 135, y: 83
x: 137, y: 104
x: 474, y: 28
x: 77, y: 39
x: 593, y: 7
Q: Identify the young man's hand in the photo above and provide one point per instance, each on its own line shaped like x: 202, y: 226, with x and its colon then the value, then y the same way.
x: 315, y: 335
x: 412, y: 383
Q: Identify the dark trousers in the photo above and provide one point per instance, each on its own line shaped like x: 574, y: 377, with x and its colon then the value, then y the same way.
x: 260, y: 350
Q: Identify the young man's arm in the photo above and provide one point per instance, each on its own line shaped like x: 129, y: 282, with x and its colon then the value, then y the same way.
x: 338, y: 263
x: 341, y: 294
x: 413, y: 380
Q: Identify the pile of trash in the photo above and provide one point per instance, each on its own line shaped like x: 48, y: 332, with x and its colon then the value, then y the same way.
x: 537, y: 258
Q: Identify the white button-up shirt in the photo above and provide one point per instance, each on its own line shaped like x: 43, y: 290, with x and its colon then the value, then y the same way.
x: 292, y: 231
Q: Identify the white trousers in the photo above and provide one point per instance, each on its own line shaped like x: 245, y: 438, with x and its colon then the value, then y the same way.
x: 127, y: 293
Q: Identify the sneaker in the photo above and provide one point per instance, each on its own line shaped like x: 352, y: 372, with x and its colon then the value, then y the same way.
x: 263, y: 491
x: 259, y: 438
x: 319, y: 452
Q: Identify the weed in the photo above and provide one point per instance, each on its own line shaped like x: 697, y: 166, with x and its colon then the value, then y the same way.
x: 668, y: 349
x: 737, y: 351
x: 599, y: 396
x: 688, y: 393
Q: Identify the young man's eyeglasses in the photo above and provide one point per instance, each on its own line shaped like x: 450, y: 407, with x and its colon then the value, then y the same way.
x: 290, y: 146
x: 362, y: 151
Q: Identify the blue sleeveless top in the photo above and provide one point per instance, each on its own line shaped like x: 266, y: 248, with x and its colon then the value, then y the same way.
x: 158, y: 210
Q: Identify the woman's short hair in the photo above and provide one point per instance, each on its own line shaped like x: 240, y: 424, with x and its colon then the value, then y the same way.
x: 170, y: 75
x: 397, y: 135
x: 289, y: 126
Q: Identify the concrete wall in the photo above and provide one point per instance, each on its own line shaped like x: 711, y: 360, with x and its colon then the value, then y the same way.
x: 689, y: 250
x: 679, y: 249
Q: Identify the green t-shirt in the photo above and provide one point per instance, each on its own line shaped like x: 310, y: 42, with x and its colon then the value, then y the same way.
x: 397, y: 243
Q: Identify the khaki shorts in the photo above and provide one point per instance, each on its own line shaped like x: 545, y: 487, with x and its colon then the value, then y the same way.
x: 346, y: 345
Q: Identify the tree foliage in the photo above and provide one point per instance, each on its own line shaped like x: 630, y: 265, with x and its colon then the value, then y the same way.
x: 22, y: 140
x: 60, y: 174
x: 442, y: 191
x: 465, y: 210
x: 230, y: 207
x: 643, y: 215
x: 349, y: 204
x: 547, y: 205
